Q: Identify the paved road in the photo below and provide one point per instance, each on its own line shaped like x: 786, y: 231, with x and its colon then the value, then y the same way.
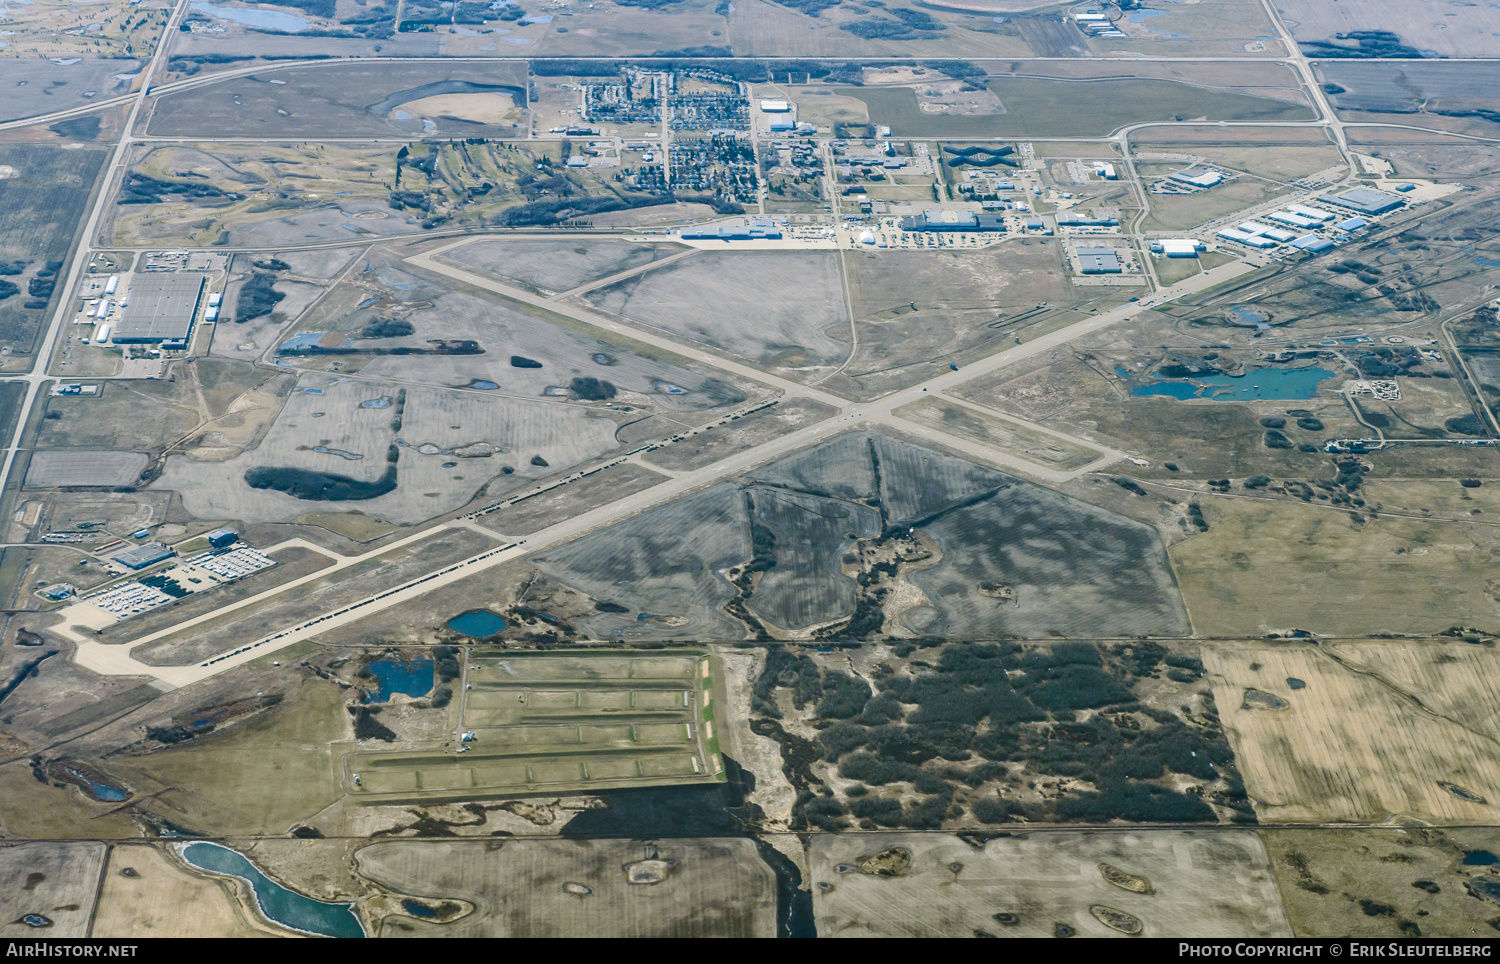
x: 70, y: 281
x: 117, y: 659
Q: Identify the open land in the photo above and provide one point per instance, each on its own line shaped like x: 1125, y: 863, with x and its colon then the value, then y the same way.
x: 692, y: 888
x: 55, y: 880
x: 1031, y: 885
x: 896, y: 583
x: 1444, y: 31
x: 46, y: 191
x: 1343, y: 731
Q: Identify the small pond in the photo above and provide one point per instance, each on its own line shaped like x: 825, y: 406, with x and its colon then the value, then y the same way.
x: 409, y: 679
x: 288, y: 908
x: 477, y: 624
x: 1265, y: 383
x: 264, y: 19
x: 100, y: 791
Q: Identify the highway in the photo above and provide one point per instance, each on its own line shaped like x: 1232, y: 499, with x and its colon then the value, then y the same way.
x: 50, y: 341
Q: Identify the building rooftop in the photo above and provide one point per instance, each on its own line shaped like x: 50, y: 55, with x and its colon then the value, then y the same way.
x: 1098, y: 260
x: 161, y: 308
x: 1366, y: 200
x: 139, y: 557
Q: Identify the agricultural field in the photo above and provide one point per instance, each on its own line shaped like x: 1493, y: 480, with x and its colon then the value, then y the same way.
x: 57, y: 881
x: 1435, y: 31
x: 760, y: 28
x: 681, y: 887
x: 558, y: 724
x: 1451, y: 96
x: 1414, y: 882
x: 161, y: 898
x: 661, y: 566
x: 1359, y: 731
x: 224, y: 37
x: 43, y: 193
x: 1265, y: 566
x: 1164, y: 883
x: 40, y: 86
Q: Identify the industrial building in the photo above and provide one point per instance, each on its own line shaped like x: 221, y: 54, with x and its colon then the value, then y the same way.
x: 1317, y: 214
x: 752, y: 229
x: 1353, y: 224
x: 161, y: 310
x: 1312, y: 244
x: 1295, y: 220
x: 1366, y: 200
x: 1242, y: 237
x: 1276, y: 234
x: 1070, y: 219
x: 220, y: 538
x: 933, y: 220
x: 1178, y: 247
x: 139, y: 557
x: 775, y: 106
x: 1098, y: 260
x: 1197, y: 178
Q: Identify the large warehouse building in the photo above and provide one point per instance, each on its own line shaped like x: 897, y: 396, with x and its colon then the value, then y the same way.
x: 936, y: 220
x: 161, y: 310
x: 1367, y: 200
x: 752, y: 229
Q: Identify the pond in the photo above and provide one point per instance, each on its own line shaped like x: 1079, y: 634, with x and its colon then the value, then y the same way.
x: 409, y: 679
x: 100, y: 791
x: 288, y: 908
x: 477, y: 624
x: 1266, y: 383
x: 264, y: 19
